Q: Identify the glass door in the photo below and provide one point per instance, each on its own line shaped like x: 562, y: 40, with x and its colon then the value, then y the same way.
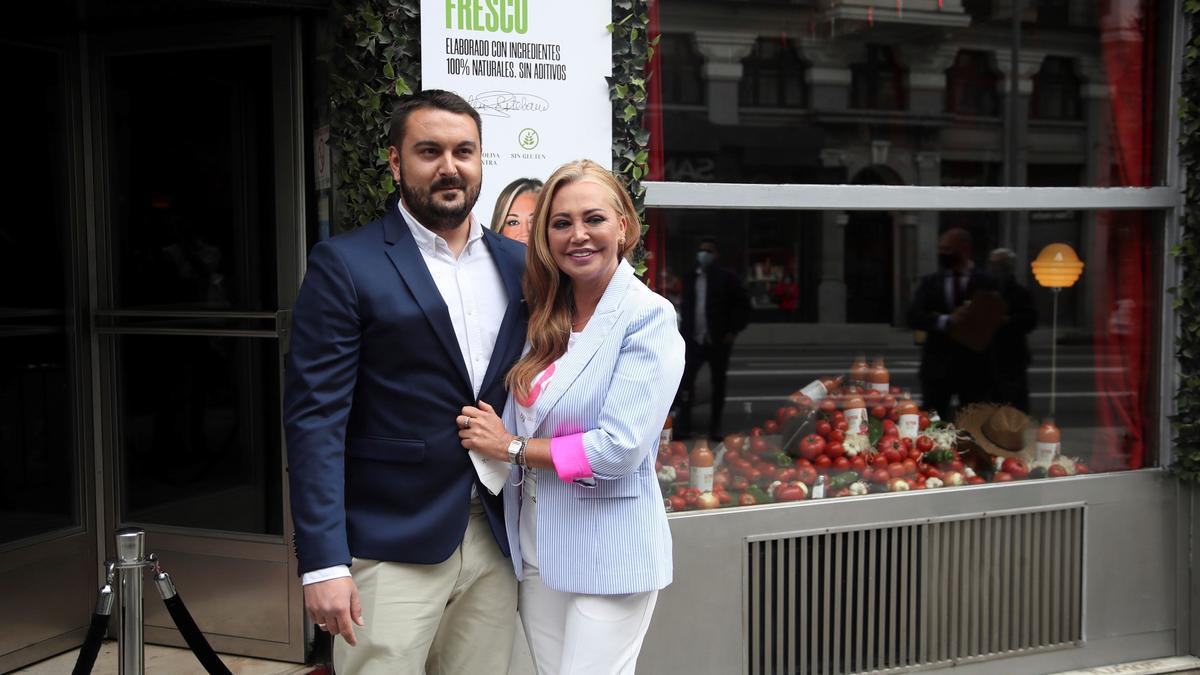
x: 199, y: 232
x: 47, y: 535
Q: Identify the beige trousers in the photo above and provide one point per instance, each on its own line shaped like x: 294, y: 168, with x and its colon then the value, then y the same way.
x: 455, y: 617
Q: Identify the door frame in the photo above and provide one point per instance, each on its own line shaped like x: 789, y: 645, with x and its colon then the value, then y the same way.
x: 283, y: 35
x: 43, y: 560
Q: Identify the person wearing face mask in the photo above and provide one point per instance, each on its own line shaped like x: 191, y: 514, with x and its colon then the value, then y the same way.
x: 714, y: 309
x: 513, y: 215
x: 1010, y: 344
x: 940, y: 308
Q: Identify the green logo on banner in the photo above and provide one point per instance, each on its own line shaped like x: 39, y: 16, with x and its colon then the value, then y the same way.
x: 492, y: 16
x: 528, y: 138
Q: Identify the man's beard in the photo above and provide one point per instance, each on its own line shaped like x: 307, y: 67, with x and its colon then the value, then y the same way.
x: 433, y: 213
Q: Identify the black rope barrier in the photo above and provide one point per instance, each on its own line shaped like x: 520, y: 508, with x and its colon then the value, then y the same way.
x: 194, y: 638
x: 91, y: 646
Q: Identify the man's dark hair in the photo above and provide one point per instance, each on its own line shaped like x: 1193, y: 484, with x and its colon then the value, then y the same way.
x: 430, y: 98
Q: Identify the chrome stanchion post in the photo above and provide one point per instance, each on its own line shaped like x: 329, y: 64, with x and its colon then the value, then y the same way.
x: 131, y: 552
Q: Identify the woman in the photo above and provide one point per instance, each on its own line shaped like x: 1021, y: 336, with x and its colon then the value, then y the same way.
x: 586, y: 525
x: 513, y: 215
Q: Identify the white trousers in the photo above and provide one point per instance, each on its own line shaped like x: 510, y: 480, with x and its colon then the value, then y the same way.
x: 576, y: 634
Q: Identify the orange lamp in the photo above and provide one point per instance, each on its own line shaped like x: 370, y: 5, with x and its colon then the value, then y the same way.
x: 1057, y: 266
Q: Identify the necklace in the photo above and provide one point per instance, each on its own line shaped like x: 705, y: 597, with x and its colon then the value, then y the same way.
x: 575, y: 322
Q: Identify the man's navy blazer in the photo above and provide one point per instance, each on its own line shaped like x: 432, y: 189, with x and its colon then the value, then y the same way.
x: 374, y: 381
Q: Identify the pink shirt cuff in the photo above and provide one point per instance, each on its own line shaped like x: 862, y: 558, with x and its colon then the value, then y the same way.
x: 570, y: 461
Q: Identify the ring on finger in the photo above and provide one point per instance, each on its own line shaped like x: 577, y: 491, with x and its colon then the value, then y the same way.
x: 467, y: 424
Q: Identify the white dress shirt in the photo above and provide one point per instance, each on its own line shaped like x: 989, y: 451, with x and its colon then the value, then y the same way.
x: 474, y: 293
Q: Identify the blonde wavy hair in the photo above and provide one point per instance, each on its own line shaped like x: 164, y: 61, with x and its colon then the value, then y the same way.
x: 548, y: 291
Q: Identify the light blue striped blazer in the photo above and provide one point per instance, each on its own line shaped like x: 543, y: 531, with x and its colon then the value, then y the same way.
x: 615, y: 386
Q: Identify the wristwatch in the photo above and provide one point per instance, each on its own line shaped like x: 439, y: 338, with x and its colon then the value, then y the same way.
x: 516, y: 450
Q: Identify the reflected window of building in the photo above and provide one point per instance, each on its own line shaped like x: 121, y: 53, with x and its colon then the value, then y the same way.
x: 971, y: 85
x: 773, y: 75
x: 1053, y: 13
x: 1056, y: 90
x: 682, y: 82
x: 878, y: 83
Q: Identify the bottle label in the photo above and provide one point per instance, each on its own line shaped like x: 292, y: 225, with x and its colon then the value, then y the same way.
x: 818, y: 490
x: 910, y: 426
x: 881, y: 387
x: 1047, y: 453
x: 702, y: 478
x: 815, y: 390
x: 856, y: 420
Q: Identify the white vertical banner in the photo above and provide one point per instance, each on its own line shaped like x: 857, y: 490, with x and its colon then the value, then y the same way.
x: 534, y: 69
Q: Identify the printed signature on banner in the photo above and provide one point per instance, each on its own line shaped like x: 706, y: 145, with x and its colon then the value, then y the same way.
x: 501, y: 103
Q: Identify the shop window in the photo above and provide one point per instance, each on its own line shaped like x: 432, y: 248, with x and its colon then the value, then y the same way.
x: 795, y: 395
x: 1056, y: 91
x: 682, y: 81
x: 878, y: 83
x: 971, y: 85
x: 773, y: 75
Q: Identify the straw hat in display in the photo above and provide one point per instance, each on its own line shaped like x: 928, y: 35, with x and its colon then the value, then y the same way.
x: 1000, y: 430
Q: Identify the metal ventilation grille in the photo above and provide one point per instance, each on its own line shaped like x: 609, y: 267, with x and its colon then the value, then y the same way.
x: 914, y: 595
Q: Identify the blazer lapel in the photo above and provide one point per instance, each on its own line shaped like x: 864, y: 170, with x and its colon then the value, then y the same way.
x: 511, y: 324
x: 572, y: 364
x: 406, y: 256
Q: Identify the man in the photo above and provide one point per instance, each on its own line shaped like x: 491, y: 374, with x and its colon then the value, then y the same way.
x: 1010, y: 345
x: 397, y: 326
x: 714, y: 309
x: 939, y: 307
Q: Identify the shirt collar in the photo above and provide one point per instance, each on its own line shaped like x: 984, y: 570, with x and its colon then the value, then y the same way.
x: 427, y: 240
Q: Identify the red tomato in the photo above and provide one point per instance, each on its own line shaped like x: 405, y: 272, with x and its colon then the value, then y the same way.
x: 1015, y: 468
x: 1001, y: 477
x: 1056, y: 471
x: 841, y: 425
x: 771, y: 427
x: 932, y: 472
x: 679, y: 449
x: 806, y: 474
x: 893, y: 456
x: 822, y: 462
x: 838, y: 435
x: 881, y: 476
x: 724, y: 497
x: 731, y: 456
x: 746, y: 500
x: 879, y: 462
x: 758, y: 445
x: 889, y: 401
x: 828, y: 405
x: 841, y: 464
x: 924, y: 443
x: 873, y: 395
x: 791, y: 493
x: 824, y: 428
x: 677, y: 503
x: 839, y: 416
x: 896, y: 470
x: 1081, y: 468
x: 910, y: 467
x: 956, y: 465
x: 789, y: 412
x: 923, y: 422
x: 756, y: 431
x: 834, y: 449
x: 858, y: 463
x: 915, y: 455
x: 812, y: 446
x: 878, y: 412
x: 976, y: 480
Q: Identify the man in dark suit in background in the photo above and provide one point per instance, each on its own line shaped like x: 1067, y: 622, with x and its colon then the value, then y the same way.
x: 1010, y: 345
x: 939, y: 308
x: 714, y: 309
